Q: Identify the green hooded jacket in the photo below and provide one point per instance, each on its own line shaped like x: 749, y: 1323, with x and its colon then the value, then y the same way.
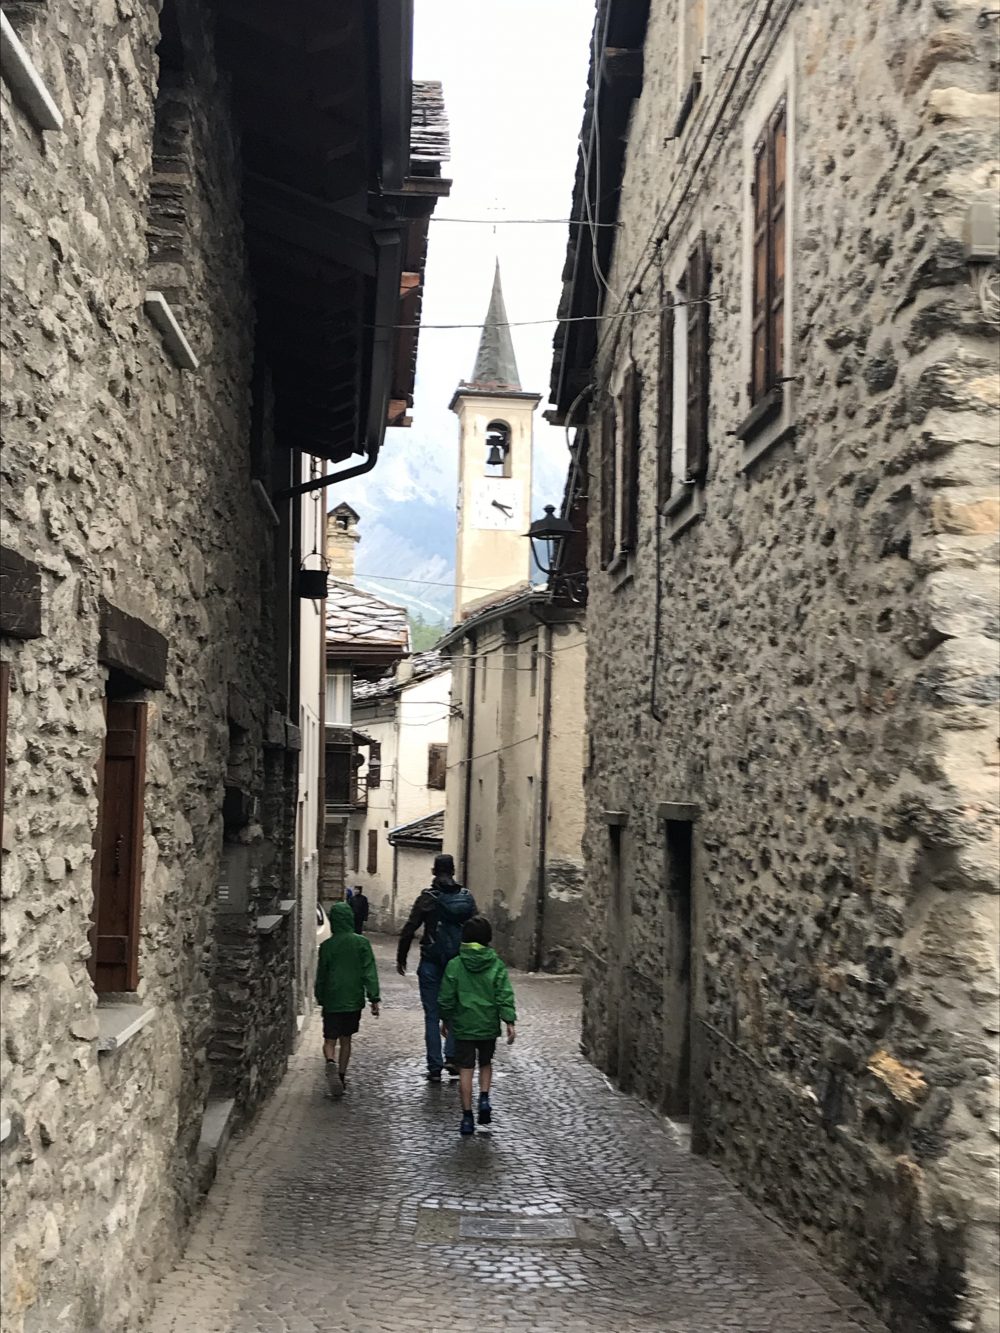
x: 346, y: 970
x: 476, y: 994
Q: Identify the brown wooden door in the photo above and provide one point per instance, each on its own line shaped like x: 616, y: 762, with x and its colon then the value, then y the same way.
x: 118, y: 852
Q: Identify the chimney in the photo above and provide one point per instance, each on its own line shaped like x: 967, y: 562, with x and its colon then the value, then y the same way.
x: 341, y: 536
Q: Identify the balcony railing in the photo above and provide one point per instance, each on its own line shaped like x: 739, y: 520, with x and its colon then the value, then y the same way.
x: 353, y: 796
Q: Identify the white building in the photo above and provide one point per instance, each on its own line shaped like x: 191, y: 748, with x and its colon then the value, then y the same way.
x: 394, y: 837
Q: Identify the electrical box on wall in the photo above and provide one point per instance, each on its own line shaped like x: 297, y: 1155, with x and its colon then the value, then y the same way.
x: 981, y: 232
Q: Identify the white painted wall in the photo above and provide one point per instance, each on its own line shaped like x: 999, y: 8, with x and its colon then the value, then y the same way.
x: 406, y: 725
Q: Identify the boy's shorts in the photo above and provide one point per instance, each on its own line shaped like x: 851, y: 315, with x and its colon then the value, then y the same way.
x: 466, y: 1052
x: 340, y: 1025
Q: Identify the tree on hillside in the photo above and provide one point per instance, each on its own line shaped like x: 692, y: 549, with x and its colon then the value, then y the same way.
x: 424, y: 634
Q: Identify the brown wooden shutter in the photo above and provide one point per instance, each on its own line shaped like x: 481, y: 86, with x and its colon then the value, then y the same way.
x: 778, y: 139
x: 768, y: 339
x: 118, y: 861
x: 355, y: 849
x: 437, y: 764
x: 696, y: 459
x: 4, y: 696
x: 630, y: 401
x: 372, y: 851
x: 608, y: 479
x: 759, y: 381
x: 665, y: 401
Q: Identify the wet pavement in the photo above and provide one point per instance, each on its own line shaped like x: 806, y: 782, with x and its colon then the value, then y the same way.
x: 579, y: 1212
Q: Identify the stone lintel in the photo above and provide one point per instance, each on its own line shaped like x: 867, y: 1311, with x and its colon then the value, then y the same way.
x: 267, y: 925
x: 132, y: 647
x: 614, y: 818
x: 274, y: 731
x: 20, y: 596
x: 681, y: 812
x: 119, y: 1023
x: 286, y: 906
x: 293, y: 737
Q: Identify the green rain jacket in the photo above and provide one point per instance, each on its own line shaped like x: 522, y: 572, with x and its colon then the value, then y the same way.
x: 476, y: 994
x: 346, y: 970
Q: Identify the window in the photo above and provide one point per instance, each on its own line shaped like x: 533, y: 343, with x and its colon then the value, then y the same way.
x: 534, y: 669
x: 691, y: 52
x: 498, y: 449
x: 372, y: 851
x: 121, y: 775
x: 768, y: 299
x: 374, y: 765
x: 684, y: 375
x: 437, y: 766
x: 355, y: 849
x: 167, y: 219
x: 620, y: 471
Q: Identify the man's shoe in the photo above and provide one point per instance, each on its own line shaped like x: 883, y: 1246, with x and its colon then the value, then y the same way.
x: 334, y: 1083
x: 485, y: 1110
x: 433, y: 1076
x: 452, y: 1068
x: 467, y: 1126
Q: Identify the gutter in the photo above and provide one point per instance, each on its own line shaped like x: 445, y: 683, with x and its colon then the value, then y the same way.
x: 545, y: 724
x: 470, y: 727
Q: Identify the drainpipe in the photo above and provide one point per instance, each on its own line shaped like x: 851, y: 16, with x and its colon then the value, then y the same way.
x: 470, y: 720
x: 545, y: 723
x: 321, y: 757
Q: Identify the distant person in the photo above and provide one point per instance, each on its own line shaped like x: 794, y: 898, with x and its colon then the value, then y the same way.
x: 345, y: 974
x: 440, y: 911
x: 359, y: 906
x: 476, y: 995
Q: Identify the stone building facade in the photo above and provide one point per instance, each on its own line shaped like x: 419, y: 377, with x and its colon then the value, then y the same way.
x: 158, y: 246
x: 788, y: 436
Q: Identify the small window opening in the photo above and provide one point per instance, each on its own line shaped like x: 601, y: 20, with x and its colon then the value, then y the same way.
x: 498, y: 449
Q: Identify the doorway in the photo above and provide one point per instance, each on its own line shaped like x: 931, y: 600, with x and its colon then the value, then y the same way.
x: 677, y: 968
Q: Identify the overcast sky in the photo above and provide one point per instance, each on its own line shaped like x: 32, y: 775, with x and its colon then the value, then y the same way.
x: 514, y: 75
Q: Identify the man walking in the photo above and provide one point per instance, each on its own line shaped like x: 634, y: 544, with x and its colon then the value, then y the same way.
x: 440, y: 911
x: 359, y: 906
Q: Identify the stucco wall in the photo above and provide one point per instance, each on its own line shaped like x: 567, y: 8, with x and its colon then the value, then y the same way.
x: 827, y: 655
x: 126, y: 477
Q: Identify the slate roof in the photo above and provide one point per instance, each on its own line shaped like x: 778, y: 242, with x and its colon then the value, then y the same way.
x: 427, y: 832
x: 429, y: 663
x: 496, y: 366
x: 359, y: 619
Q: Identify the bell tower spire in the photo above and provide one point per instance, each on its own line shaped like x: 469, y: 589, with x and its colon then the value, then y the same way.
x: 494, y: 467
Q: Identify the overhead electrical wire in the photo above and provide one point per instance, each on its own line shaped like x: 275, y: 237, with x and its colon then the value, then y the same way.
x: 554, y: 319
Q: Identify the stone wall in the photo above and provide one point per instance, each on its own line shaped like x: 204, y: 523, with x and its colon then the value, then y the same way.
x: 127, y: 478
x: 824, y: 638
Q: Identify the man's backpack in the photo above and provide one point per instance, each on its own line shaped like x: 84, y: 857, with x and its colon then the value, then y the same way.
x: 451, y: 912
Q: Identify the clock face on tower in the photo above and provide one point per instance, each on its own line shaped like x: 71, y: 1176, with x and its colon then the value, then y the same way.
x: 496, y: 504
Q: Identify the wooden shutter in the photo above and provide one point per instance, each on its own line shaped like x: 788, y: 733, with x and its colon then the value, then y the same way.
x: 374, y: 765
x: 437, y: 765
x: 768, y: 309
x: 630, y: 402
x: 608, y: 486
x: 372, y: 851
x: 696, y: 436
x: 355, y: 849
x: 665, y: 400
x: 4, y: 696
x: 114, y: 960
x: 778, y: 140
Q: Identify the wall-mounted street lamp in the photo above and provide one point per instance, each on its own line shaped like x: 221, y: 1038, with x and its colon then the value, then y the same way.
x: 548, y: 536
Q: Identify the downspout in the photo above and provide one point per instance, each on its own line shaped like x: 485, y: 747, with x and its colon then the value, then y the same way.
x: 545, y: 723
x: 470, y: 727
x: 321, y: 758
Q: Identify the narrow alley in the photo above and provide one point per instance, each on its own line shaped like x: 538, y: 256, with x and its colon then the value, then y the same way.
x: 579, y: 1212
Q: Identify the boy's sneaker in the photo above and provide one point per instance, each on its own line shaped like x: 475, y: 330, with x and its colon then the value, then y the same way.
x: 433, y: 1076
x: 334, y: 1083
x: 467, y: 1126
x: 452, y: 1068
x: 485, y: 1109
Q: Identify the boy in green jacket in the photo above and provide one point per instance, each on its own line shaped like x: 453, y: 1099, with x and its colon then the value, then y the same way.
x: 345, y: 973
x: 475, y: 996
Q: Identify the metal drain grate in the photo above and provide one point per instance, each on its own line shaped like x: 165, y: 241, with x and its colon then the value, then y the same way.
x: 516, y: 1228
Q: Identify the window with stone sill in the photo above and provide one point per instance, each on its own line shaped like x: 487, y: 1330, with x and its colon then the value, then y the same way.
x: 683, y: 389
x: 167, y: 223
x: 691, y: 54
x: 620, y: 447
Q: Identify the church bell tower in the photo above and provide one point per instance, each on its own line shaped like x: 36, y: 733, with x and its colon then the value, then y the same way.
x: 494, y: 466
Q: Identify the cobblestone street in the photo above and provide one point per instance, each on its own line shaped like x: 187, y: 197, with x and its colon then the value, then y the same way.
x: 360, y: 1215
